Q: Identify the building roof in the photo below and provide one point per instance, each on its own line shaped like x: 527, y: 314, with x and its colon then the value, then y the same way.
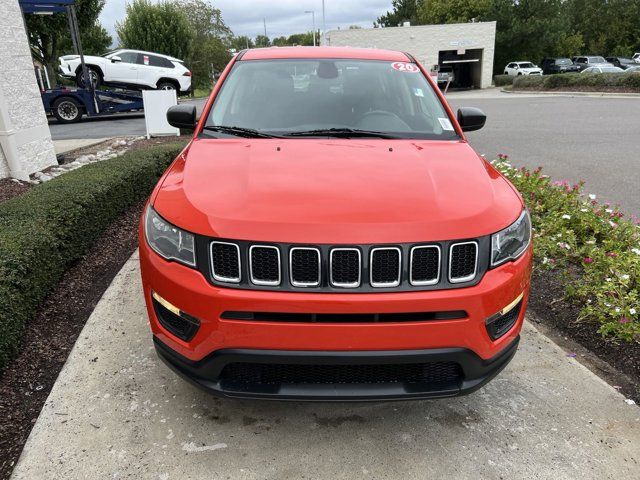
x: 324, y: 52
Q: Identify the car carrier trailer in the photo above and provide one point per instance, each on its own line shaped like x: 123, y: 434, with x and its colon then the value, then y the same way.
x: 70, y: 104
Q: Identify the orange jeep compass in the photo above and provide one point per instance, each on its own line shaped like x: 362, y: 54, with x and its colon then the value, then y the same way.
x: 329, y: 234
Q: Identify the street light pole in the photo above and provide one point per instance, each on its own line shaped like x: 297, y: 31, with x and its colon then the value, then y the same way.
x: 313, y: 20
x: 324, y: 26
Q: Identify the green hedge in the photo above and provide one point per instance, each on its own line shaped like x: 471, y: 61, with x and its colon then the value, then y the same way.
x: 54, y: 224
x: 503, y: 80
x: 575, y: 81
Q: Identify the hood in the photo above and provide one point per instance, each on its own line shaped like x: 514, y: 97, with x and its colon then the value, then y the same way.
x: 335, y: 191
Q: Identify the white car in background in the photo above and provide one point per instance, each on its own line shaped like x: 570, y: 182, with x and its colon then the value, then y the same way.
x: 603, y: 69
x: 636, y: 57
x: 133, y: 69
x: 522, y: 68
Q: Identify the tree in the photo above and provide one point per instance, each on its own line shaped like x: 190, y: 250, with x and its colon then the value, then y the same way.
x: 161, y: 27
x: 431, y: 12
x: 210, y: 41
x: 402, y: 11
x: 241, y: 43
x: 51, y: 36
x: 262, y: 41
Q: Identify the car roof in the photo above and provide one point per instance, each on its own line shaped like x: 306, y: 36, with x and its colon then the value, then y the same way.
x: 168, y: 57
x: 324, y: 52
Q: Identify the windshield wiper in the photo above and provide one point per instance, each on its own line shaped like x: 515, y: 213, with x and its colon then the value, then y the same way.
x: 339, y: 132
x: 238, y: 131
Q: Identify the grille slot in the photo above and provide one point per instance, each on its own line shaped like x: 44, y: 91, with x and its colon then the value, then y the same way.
x: 425, y: 265
x: 304, y: 266
x: 264, y: 265
x: 385, y: 267
x: 428, y: 376
x: 225, y: 262
x: 292, y: 317
x: 344, y: 268
x: 463, y: 262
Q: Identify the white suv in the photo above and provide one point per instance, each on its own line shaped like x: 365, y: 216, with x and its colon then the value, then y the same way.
x: 131, y: 69
x: 522, y: 68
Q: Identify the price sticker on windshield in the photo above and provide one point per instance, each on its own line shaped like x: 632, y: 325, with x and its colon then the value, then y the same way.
x: 405, y: 67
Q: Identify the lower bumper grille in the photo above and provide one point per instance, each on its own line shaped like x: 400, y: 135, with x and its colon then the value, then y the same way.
x: 434, y: 375
x: 344, y: 317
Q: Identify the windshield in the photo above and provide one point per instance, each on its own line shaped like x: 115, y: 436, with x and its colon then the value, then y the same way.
x: 597, y: 60
x: 282, y: 97
x: 526, y: 65
x: 563, y: 61
x: 110, y: 52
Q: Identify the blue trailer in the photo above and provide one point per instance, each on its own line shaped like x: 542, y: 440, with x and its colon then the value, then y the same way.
x: 70, y: 104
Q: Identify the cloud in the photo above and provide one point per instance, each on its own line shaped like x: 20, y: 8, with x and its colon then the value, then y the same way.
x: 283, y: 17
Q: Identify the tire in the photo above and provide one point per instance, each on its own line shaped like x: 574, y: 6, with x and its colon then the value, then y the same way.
x: 94, y: 75
x: 67, y: 110
x: 165, y: 85
x: 519, y: 73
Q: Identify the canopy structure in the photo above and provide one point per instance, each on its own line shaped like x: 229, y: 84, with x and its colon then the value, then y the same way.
x: 45, y: 7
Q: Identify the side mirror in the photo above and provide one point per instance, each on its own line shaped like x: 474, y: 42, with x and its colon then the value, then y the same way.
x: 115, y: 59
x: 182, y: 116
x: 471, y: 118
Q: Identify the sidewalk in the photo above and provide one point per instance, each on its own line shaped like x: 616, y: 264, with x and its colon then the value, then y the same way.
x: 117, y: 412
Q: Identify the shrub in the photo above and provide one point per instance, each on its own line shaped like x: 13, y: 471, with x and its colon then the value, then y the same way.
x: 576, y: 81
x: 528, y: 81
x: 53, y: 224
x: 503, y: 80
x: 594, y: 246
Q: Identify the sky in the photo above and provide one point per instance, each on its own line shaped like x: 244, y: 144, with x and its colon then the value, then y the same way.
x: 283, y: 17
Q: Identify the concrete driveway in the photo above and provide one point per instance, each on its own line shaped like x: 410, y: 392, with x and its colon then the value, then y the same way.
x: 117, y: 412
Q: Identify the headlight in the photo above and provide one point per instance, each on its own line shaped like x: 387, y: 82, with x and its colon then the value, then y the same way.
x: 167, y: 240
x: 510, y: 243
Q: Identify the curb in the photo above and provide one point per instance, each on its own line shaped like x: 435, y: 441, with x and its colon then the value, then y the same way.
x: 572, y: 94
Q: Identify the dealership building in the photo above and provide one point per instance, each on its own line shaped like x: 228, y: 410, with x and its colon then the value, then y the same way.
x: 465, y: 47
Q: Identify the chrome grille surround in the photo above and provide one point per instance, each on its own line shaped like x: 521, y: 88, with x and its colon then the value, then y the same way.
x: 258, y: 281
x: 394, y: 283
x: 345, y: 284
x: 296, y: 283
x: 466, y: 278
x: 435, y: 281
x: 222, y: 278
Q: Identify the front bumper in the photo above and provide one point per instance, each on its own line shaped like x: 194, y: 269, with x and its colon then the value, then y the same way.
x: 220, y: 340
x: 208, y: 374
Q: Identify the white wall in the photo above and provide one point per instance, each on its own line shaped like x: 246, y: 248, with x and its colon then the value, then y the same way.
x: 424, y: 42
x: 25, y: 139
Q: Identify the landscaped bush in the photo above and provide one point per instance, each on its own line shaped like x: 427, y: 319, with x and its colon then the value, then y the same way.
x: 503, y: 80
x: 528, y: 81
x: 595, y: 248
x: 614, y: 82
x: 53, y: 224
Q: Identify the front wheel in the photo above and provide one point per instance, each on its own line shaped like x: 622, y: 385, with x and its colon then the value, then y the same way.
x: 67, y: 110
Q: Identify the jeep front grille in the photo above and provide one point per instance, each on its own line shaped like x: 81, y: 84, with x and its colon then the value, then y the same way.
x: 345, y: 268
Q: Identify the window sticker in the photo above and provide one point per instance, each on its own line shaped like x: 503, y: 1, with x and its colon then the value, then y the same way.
x: 418, y: 92
x: 405, y: 67
x: 145, y: 59
x: 445, y: 123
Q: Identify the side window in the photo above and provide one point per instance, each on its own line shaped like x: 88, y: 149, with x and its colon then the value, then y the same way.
x: 128, y: 57
x: 155, y: 61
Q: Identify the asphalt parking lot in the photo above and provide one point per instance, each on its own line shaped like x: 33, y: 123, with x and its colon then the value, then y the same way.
x: 574, y: 138
x: 117, y: 412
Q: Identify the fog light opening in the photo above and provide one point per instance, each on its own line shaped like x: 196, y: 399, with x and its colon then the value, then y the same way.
x: 501, y: 322
x: 177, y: 322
